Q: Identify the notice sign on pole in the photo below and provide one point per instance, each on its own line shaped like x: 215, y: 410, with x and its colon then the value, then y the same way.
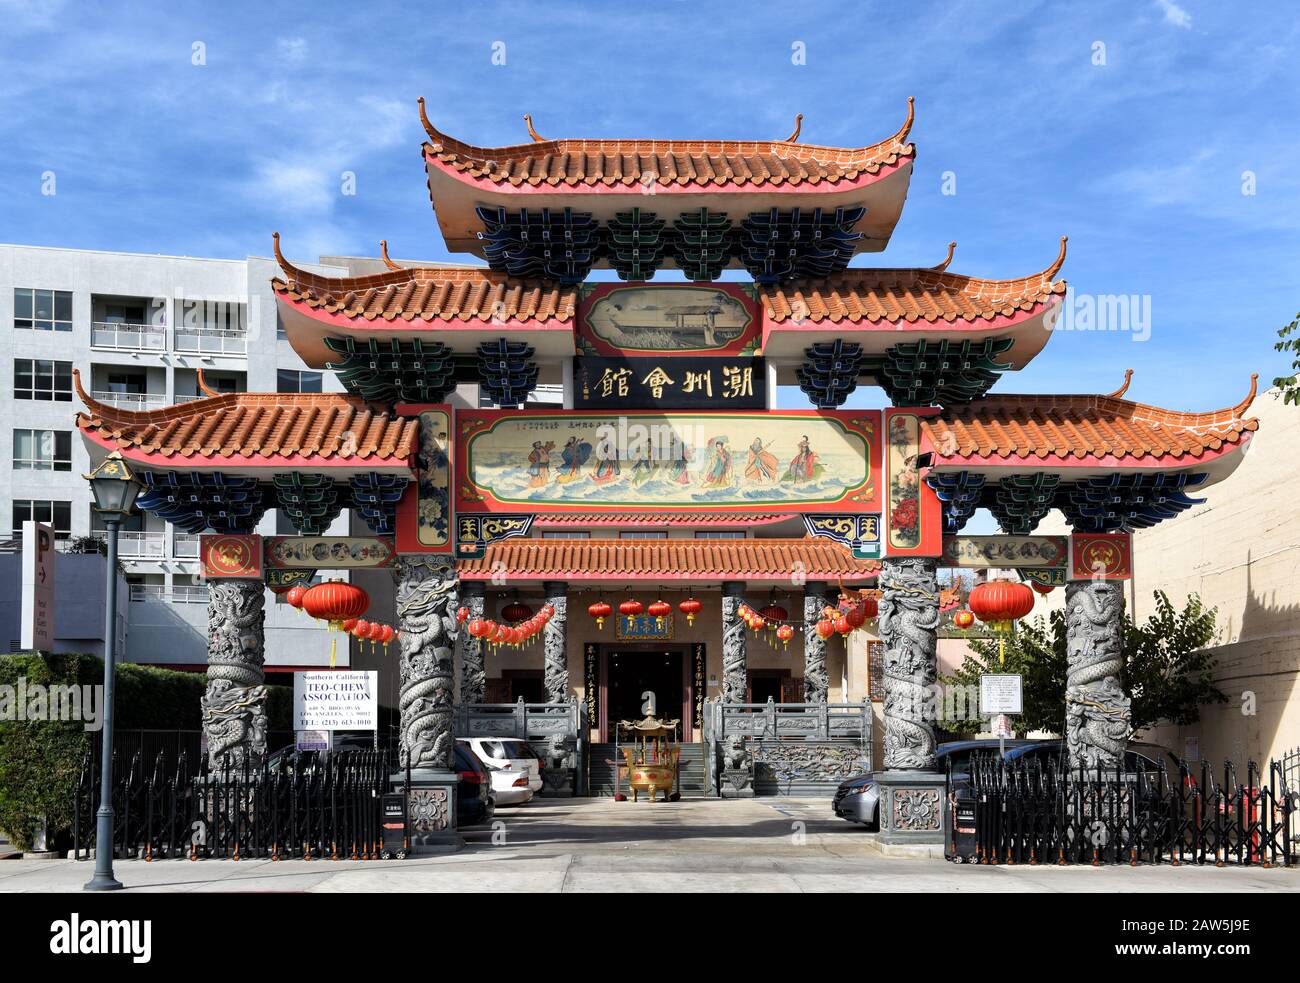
x: 38, y: 587
x: 340, y: 700
x: 1000, y: 693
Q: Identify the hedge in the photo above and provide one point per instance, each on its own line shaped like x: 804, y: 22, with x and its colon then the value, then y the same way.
x: 40, y: 761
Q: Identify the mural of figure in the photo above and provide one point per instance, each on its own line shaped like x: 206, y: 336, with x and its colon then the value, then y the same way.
x: 539, y: 463
x: 718, y: 473
x: 606, y: 469
x: 681, y: 464
x: 762, y: 465
x: 573, y: 457
x: 804, y: 464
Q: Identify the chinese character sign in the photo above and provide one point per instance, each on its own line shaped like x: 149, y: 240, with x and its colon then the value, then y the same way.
x: 681, y: 383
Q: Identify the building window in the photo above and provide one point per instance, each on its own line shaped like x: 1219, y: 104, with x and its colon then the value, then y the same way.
x: 40, y: 378
x: 42, y: 310
x: 643, y: 535
x: 719, y: 534
x: 57, y: 514
x: 566, y: 534
x: 42, y: 450
x: 293, y: 381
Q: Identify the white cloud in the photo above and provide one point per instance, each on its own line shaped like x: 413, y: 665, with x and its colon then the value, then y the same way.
x: 293, y: 50
x: 1175, y: 14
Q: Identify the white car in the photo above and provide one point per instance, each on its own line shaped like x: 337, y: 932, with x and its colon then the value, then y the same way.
x: 514, y: 767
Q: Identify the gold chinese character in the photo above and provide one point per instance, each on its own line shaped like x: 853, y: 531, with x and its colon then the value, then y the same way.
x: 611, y: 381
x: 656, y: 380
x: 739, y: 382
x: 698, y: 382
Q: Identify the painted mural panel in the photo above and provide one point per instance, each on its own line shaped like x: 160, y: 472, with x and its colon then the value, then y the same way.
x: 915, y: 521
x: 668, y: 319
x: 424, y: 513
x: 556, y: 460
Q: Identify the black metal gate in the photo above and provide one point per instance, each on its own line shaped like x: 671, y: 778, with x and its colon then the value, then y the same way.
x: 1047, y: 813
x: 307, y: 805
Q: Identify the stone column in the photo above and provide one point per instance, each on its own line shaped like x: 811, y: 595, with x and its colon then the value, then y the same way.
x: 427, y: 598
x: 555, y: 664
x: 234, y: 705
x: 426, y: 609
x: 1097, y: 718
x: 735, y: 669
x: 911, y: 791
x: 473, y: 672
x: 909, y: 619
x: 816, y: 680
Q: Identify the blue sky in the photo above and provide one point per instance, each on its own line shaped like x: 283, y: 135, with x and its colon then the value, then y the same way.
x: 1131, y: 126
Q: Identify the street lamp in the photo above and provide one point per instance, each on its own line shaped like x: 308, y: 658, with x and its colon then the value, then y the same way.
x: 115, y: 489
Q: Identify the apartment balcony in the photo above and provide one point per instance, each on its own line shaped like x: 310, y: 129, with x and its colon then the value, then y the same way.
x: 158, y: 593
x: 137, y: 545
x: 185, y: 546
x: 123, y: 336
x: 131, y: 401
x: 212, y: 341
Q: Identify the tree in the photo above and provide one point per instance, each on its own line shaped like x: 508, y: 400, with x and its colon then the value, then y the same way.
x: 1168, y: 671
x: 1290, y: 385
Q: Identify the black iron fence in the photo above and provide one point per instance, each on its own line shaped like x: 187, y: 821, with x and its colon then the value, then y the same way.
x: 304, y: 805
x: 1039, y: 813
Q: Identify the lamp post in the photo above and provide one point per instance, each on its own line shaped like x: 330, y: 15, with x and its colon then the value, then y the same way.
x: 115, y: 489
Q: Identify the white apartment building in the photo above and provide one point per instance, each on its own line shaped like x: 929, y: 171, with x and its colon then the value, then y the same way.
x: 138, y: 328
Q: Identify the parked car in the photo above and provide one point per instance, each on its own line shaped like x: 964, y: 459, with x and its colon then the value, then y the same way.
x: 506, y: 755
x: 475, y: 803
x: 857, y: 798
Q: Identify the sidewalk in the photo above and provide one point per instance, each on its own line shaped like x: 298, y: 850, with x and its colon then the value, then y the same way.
x: 577, y: 845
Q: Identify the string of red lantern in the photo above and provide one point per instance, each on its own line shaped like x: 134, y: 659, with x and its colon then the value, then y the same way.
x: 495, y: 634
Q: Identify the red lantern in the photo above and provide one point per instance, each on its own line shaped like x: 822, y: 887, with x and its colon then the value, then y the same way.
x: 376, y: 631
x: 348, y: 625
x: 659, y: 610
x: 361, y: 629
x: 690, y: 607
x: 516, y: 612
x: 854, y: 612
x: 1000, y: 602
x: 462, y: 615
x: 335, y: 602
x: 825, y: 629
x: 548, y: 611
x: 841, y: 624
x: 631, y: 608
x: 1043, y: 589
x: 295, y: 594
x: 774, y: 612
x: 600, y: 611
x: 387, y: 636
x: 870, y: 606
x: 476, y: 628
x: 963, y: 620
x: 785, y: 633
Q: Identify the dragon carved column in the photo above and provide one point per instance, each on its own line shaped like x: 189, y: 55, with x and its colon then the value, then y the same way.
x: 909, y: 619
x: 735, y: 669
x: 555, y: 665
x: 234, y: 704
x: 1096, y: 710
x: 473, y: 671
x: 816, y: 680
x: 427, y: 590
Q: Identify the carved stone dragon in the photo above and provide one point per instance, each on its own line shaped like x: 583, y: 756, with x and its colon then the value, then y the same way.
x: 1097, y: 714
x: 909, y: 617
x: 473, y: 672
x: 426, y: 607
x: 555, y: 662
x: 816, y: 680
x: 234, y: 704
x: 735, y: 673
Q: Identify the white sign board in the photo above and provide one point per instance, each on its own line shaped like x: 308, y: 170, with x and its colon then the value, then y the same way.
x: 1002, y: 726
x: 1000, y: 693
x: 38, y: 587
x: 313, y: 740
x: 340, y: 700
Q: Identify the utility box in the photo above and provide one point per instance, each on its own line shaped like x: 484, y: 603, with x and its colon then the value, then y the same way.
x: 394, y: 841
x: 962, y: 843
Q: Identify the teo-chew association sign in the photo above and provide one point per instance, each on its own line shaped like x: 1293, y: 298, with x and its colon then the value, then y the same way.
x: 338, y: 700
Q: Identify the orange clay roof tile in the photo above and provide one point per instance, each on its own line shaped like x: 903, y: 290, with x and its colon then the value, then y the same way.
x: 1035, y: 427
x: 323, y: 426
x: 693, y: 559
x: 669, y: 163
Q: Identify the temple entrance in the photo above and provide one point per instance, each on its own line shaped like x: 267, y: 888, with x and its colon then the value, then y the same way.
x: 629, y: 673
